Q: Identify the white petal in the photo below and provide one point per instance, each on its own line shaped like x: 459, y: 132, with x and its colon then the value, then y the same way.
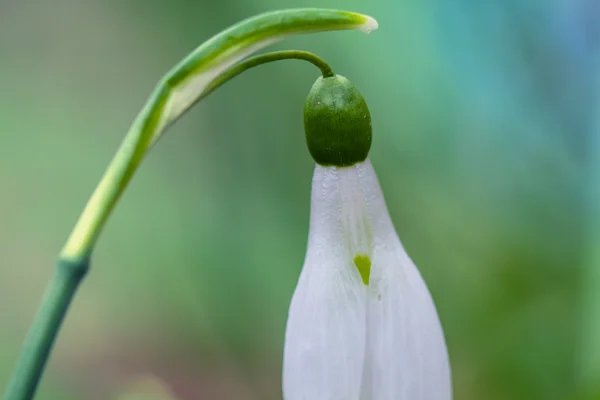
x: 406, y: 355
x: 346, y: 340
x: 325, y: 337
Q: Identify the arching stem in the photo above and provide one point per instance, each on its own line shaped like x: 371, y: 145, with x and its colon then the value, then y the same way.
x: 261, y: 59
x: 201, y: 72
x: 73, y: 264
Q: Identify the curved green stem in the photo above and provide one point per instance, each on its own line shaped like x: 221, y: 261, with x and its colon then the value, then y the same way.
x: 255, y: 61
x: 206, y: 68
x: 43, y: 332
x: 182, y: 87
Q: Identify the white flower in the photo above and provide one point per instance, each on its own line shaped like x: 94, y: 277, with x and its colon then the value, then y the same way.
x: 362, y: 324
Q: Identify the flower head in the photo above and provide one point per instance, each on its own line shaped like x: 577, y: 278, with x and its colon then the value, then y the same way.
x: 362, y: 324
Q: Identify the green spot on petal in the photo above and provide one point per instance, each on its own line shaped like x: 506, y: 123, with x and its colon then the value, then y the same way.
x: 363, y: 263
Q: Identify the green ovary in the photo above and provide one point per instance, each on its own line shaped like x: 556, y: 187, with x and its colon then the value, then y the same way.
x: 363, y: 263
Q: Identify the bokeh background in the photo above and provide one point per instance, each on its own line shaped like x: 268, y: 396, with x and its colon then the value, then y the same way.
x: 486, y: 141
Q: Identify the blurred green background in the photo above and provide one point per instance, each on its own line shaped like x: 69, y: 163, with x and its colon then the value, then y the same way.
x: 486, y: 122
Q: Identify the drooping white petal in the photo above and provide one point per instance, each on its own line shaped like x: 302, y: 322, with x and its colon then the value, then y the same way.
x: 325, y: 336
x: 369, y: 335
x: 406, y: 355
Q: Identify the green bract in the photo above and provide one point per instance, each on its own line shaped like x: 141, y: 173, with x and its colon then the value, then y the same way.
x: 183, y: 86
x: 337, y: 123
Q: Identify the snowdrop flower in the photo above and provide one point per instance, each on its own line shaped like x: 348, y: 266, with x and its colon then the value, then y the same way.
x: 362, y: 324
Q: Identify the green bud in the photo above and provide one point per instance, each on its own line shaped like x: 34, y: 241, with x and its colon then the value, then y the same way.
x: 337, y: 122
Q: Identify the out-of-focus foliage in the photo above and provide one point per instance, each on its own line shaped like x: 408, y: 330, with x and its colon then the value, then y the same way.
x: 146, y: 389
x: 486, y: 143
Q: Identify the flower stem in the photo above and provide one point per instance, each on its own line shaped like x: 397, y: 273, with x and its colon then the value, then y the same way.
x: 202, y: 71
x: 74, y: 259
x: 261, y: 59
x: 46, y: 325
x: 73, y: 263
